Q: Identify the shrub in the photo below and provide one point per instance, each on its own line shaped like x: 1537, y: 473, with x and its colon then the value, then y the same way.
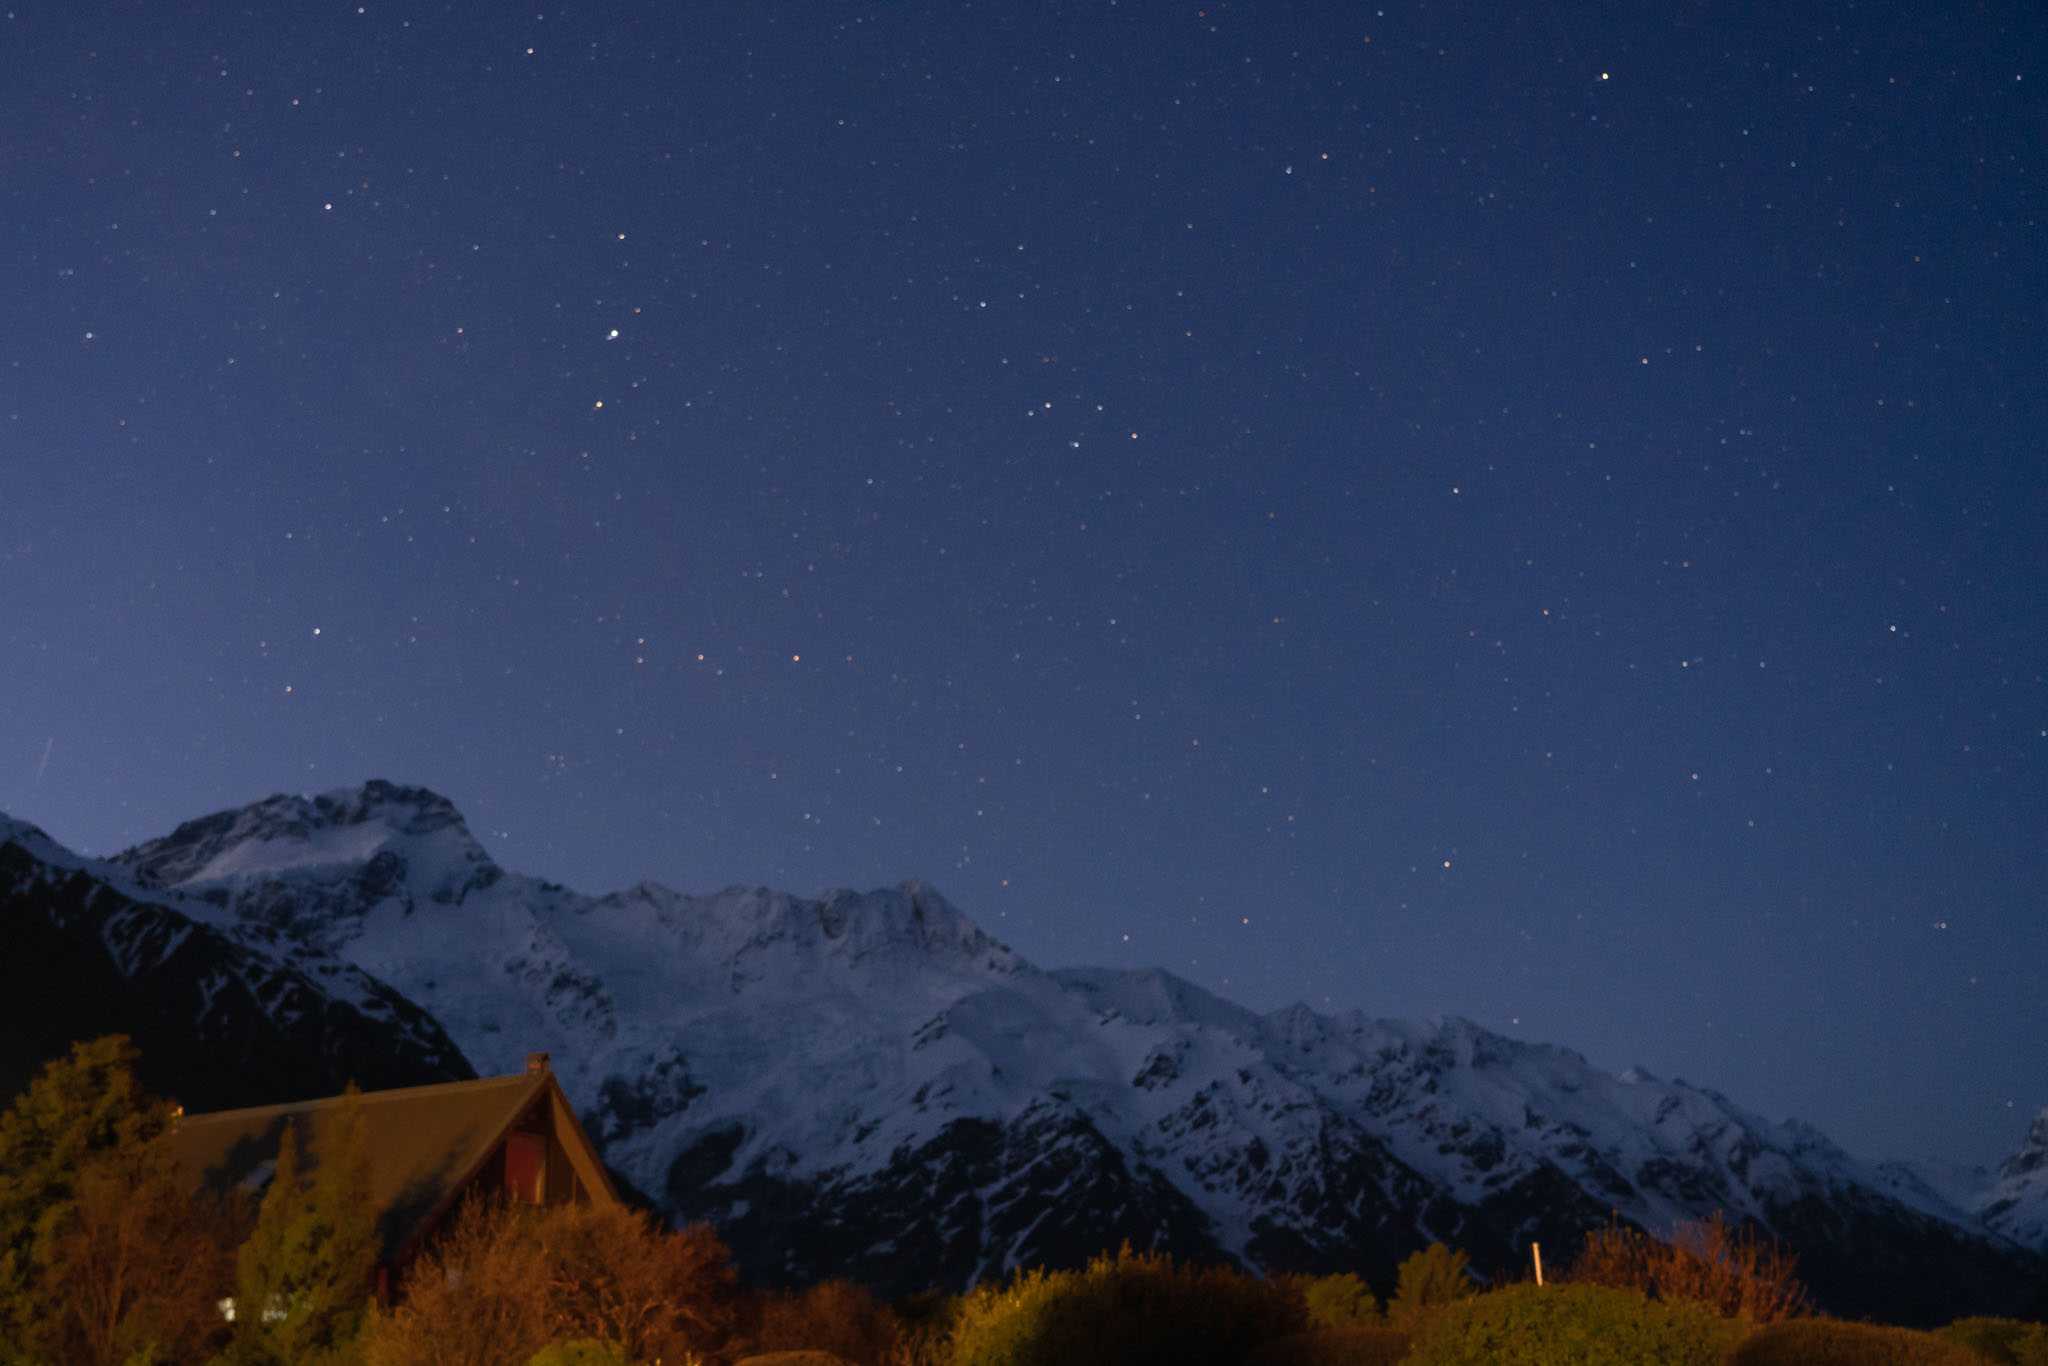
x: 2010, y: 1342
x: 836, y: 1316
x: 468, y: 1298
x: 506, y: 1280
x: 1572, y: 1325
x: 1128, y: 1310
x: 1831, y: 1342
x: 579, y: 1352
x: 615, y: 1274
x: 1358, y: 1345
x: 924, y: 1329
x: 1729, y: 1270
x: 1339, y: 1301
x: 1428, y: 1280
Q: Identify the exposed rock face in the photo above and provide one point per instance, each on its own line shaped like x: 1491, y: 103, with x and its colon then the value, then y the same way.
x: 222, y: 1018
x: 977, y: 1199
x: 2017, y: 1203
x: 345, y: 851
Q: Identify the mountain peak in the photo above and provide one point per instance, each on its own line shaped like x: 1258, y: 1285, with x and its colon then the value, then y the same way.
x: 868, y: 1060
x: 285, y: 833
x: 2032, y: 1154
x: 1154, y: 996
x: 912, y: 912
x: 2017, y: 1203
x: 37, y: 844
x: 13, y: 831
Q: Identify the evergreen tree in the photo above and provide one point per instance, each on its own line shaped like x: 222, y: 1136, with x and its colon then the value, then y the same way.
x: 77, y: 1108
x: 303, y: 1277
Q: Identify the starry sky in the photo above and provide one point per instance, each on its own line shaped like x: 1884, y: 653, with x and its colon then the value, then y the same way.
x: 1534, y: 513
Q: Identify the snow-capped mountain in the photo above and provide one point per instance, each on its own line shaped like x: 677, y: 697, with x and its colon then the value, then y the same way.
x: 224, y: 1016
x: 2017, y: 1203
x: 867, y: 1084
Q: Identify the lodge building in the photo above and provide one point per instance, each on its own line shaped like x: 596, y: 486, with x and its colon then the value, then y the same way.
x: 429, y: 1147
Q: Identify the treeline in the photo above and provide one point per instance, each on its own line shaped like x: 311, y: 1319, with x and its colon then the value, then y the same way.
x: 108, y: 1259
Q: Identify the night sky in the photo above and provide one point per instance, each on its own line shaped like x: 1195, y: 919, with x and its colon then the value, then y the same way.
x: 1532, y: 513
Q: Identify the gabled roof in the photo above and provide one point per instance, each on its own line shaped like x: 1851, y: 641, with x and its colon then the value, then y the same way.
x: 426, y: 1143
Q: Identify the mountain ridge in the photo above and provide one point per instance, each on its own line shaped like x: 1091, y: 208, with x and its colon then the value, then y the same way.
x: 870, y: 1084
x: 222, y: 1017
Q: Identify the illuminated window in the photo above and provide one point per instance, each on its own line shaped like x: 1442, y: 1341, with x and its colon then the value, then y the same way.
x: 526, y: 1165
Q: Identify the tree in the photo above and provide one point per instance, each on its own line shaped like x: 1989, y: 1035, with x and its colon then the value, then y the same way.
x: 504, y: 1281
x: 77, y: 1108
x: 303, y: 1277
x: 1732, y: 1271
x: 472, y: 1298
x: 1428, y: 1279
x: 612, y: 1274
x: 1728, y: 1270
x: 134, y: 1268
x: 1617, y: 1256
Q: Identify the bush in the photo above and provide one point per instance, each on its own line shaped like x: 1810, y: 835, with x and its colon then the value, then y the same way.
x: 506, y: 1280
x: 1831, y: 1342
x: 924, y: 1329
x: 1428, y: 1280
x: 1572, y: 1325
x: 580, y: 1352
x: 1339, y: 1301
x: 2010, y: 1342
x: 836, y: 1317
x: 1358, y: 1345
x: 1128, y: 1310
x: 1729, y: 1270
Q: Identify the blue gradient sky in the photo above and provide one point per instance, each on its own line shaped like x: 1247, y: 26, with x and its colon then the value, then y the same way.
x: 1415, y: 507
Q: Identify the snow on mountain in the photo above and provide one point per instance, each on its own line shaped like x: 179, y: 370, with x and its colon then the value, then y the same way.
x: 222, y: 1016
x: 307, y: 866
x: 32, y: 841
x: 868, y: 1084
x: 2017, y: 1205
x: 1958, y: 1185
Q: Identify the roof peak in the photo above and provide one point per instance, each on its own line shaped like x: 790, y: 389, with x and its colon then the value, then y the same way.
x: 389, y: 1094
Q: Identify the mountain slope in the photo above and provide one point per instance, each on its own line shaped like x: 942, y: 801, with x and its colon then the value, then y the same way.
x: 223, y: 1018
x: 2017, y: 1203
x: 868, y: 1084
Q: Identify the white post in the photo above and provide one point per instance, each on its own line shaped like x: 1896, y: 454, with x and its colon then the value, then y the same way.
x: 1536, y: 1250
